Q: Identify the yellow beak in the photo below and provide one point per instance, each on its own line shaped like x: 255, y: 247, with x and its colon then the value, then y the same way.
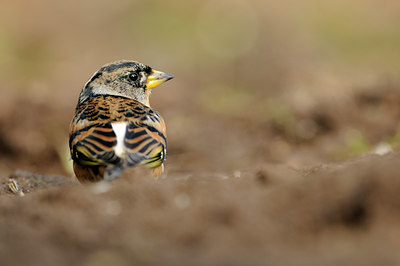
x: 157, y: 78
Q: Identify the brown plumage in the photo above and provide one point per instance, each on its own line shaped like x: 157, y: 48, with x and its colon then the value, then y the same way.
x: 114, y: 126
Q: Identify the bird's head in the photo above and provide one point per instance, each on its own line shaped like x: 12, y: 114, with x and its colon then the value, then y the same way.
x: 125, y: 78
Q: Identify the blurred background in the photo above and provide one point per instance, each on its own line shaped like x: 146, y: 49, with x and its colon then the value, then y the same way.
x: 256, y: 82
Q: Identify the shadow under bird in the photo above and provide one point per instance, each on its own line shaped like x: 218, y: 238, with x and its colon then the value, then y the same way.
x: 114, y: 126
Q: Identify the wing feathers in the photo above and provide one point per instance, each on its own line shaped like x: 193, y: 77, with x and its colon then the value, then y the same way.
x: 93, y: 139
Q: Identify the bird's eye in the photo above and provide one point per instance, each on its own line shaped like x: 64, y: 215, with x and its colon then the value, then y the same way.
x: 133, y: 76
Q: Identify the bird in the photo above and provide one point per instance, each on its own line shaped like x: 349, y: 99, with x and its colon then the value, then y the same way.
x: 114, y: 126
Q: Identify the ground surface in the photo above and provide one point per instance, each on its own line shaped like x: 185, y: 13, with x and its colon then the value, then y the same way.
x: 337, y: 214
x: 259, y: 194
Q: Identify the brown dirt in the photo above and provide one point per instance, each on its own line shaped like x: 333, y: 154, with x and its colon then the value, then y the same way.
x: 330, y: 214
x: 239, y: 188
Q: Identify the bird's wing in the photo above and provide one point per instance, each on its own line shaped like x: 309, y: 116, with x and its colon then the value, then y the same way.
x: 94, y: 145
x: 145, y: 144
x: 93, y: 139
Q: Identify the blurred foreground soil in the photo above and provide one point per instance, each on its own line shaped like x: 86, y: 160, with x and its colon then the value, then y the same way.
x: 332, y: 214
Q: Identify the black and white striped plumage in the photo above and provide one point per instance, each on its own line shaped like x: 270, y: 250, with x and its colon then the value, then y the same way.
x: 114, y: 126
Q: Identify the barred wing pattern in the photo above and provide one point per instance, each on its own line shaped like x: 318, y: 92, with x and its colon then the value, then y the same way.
x: 93, y: 141
x: 145, y: 144
x: 93, y: 145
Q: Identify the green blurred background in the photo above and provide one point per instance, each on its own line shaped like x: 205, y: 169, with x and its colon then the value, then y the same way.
x: 295, y: 82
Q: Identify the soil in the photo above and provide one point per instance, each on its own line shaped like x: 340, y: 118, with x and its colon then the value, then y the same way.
x: 345, y: 213
x: 253, y: 206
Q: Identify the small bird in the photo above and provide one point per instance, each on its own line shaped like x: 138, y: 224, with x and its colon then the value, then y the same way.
x: 114, y: 126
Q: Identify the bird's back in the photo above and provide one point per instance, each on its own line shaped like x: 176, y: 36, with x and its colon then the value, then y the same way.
x: 113, y: 132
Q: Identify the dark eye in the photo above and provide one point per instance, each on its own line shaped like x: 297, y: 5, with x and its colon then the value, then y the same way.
x: 133, y: 76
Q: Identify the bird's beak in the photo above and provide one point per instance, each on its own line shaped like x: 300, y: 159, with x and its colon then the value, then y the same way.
x: 157, y: 78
